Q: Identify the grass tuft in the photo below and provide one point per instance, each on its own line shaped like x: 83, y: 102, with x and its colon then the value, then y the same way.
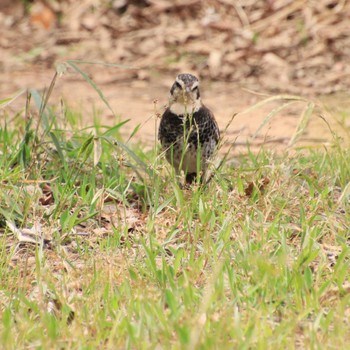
x: 101, y: 247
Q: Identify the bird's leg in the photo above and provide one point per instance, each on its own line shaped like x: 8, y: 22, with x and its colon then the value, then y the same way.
x: 190, y: 177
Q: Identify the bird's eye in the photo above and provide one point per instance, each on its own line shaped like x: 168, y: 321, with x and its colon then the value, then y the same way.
x: 194, y: 88
x: 178, y: 85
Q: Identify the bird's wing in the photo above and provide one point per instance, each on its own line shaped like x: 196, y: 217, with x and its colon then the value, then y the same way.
x: 207, y: 124
x: 170, y: 127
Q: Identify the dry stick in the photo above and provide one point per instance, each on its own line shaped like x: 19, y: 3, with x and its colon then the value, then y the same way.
x: 274, y: 98
x: 27, y: 110
x: 165, y: 6
x: 303, y: 123
x: 221, y: 143
x: 335, y: 293
x: 257, y: 93
x: 270, y: 116
x: 266, y: 22
x: 328, y: 125
x: 241, y: 14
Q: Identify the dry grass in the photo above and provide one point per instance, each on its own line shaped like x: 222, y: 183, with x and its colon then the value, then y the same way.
x: 102, y: 248
x: 289, y: 46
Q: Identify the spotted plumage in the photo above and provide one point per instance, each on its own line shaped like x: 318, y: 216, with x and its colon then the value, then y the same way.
x: 188, y: 131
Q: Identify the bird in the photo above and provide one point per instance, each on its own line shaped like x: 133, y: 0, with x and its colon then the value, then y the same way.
x: 188, y: 132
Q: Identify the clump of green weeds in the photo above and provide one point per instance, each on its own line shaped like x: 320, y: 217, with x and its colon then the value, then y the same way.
x: 257, y: 258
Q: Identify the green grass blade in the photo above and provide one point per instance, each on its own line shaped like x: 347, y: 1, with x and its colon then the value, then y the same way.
x: 132, y: 154
x: 57, y: 145
x: 136, y: 129
x: 7, y: 101
x: 114, y: 129
x: 91, y: 83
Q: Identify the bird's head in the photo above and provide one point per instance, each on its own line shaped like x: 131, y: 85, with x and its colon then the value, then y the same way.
x: 185, y: 90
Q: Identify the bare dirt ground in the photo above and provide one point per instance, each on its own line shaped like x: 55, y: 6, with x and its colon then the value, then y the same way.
x: 242, y: 53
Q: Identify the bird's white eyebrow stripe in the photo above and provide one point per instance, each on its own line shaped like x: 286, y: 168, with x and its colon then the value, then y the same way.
x: 194, y: 85
x: 180, y: 82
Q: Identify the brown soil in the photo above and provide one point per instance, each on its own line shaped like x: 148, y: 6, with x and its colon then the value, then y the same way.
x: 268, y: 55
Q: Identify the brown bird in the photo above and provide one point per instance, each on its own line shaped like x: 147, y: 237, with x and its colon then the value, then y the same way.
x: 188, y: 131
